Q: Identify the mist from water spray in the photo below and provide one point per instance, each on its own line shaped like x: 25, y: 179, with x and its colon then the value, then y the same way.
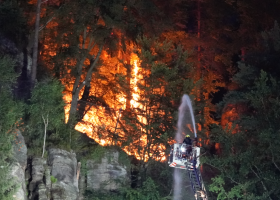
x: 185, y: 110
x: 177, y: 185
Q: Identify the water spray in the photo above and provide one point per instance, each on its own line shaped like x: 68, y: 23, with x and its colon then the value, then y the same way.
x: 180, y: 159
x: 185, y: 107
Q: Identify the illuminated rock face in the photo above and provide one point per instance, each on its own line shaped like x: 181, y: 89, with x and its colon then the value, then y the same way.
x: 106, y: 174
x: 37, y: 176
x: 19, y: 165
x: 63, y: 166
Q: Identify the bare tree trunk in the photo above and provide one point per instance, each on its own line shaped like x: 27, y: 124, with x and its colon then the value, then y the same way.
x: 74, y: 103
x: 85, y: 96
x: 77, y: 88
x: 198, y: 18
x: 198, y: 36
x: 264, y: 186
x: 46, y: 121
x: 78, y: 170
x: 35, y: 44
x: 83, y: 102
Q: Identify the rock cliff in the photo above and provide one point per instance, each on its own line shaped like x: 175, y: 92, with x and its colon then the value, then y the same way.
x: 58, y: 176
x: 106, y: 175
x: 63, y: 167
x: 18, y: 165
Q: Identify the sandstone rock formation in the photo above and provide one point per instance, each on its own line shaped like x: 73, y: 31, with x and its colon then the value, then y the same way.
x: 38, y: 171
x: 63, y: 166
x: 106, y: 175
x: 19, y: 165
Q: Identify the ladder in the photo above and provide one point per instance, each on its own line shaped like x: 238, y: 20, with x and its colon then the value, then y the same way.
x: 196, y: 180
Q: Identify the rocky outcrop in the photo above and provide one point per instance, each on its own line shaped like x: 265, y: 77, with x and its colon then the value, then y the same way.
x: 63, y: 166
x: 56, y: 178
x: 19, y: 165
x: 37, y: 174
x: 106, y: 175
x: 82, y: 186
x: 42, y: 192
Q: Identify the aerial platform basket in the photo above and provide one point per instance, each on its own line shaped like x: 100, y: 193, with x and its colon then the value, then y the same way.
x: 180, y: 158
x: 187, y: 157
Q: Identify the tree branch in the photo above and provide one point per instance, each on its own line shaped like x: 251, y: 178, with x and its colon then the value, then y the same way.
x: 43, y: 26
x: 273, y: 158
x: 35, y: 44
x: 89, y: 44
x: 78, y: 170
x: 46, y: 122
x: 89, y: 73
x: 84, y: 38
x: 265, y: 188
x: 78, y: 76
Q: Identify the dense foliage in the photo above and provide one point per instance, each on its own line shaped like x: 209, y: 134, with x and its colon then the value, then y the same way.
x: 220, y: 52
x: 147, y: 192
x: 11, y: 115
x: 248, y: 162
x: 46, y: 114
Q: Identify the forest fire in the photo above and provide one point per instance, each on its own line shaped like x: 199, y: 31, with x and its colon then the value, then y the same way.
x: 123, y: 67
x: 133, y: 82
x: 101, y: 123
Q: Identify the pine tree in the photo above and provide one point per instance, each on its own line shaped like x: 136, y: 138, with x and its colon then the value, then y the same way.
x: 150, y: 122
x: 248, y: 163
x: 87, y: 33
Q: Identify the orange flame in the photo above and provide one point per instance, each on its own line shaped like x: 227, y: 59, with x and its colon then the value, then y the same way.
x: 96, y: 121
